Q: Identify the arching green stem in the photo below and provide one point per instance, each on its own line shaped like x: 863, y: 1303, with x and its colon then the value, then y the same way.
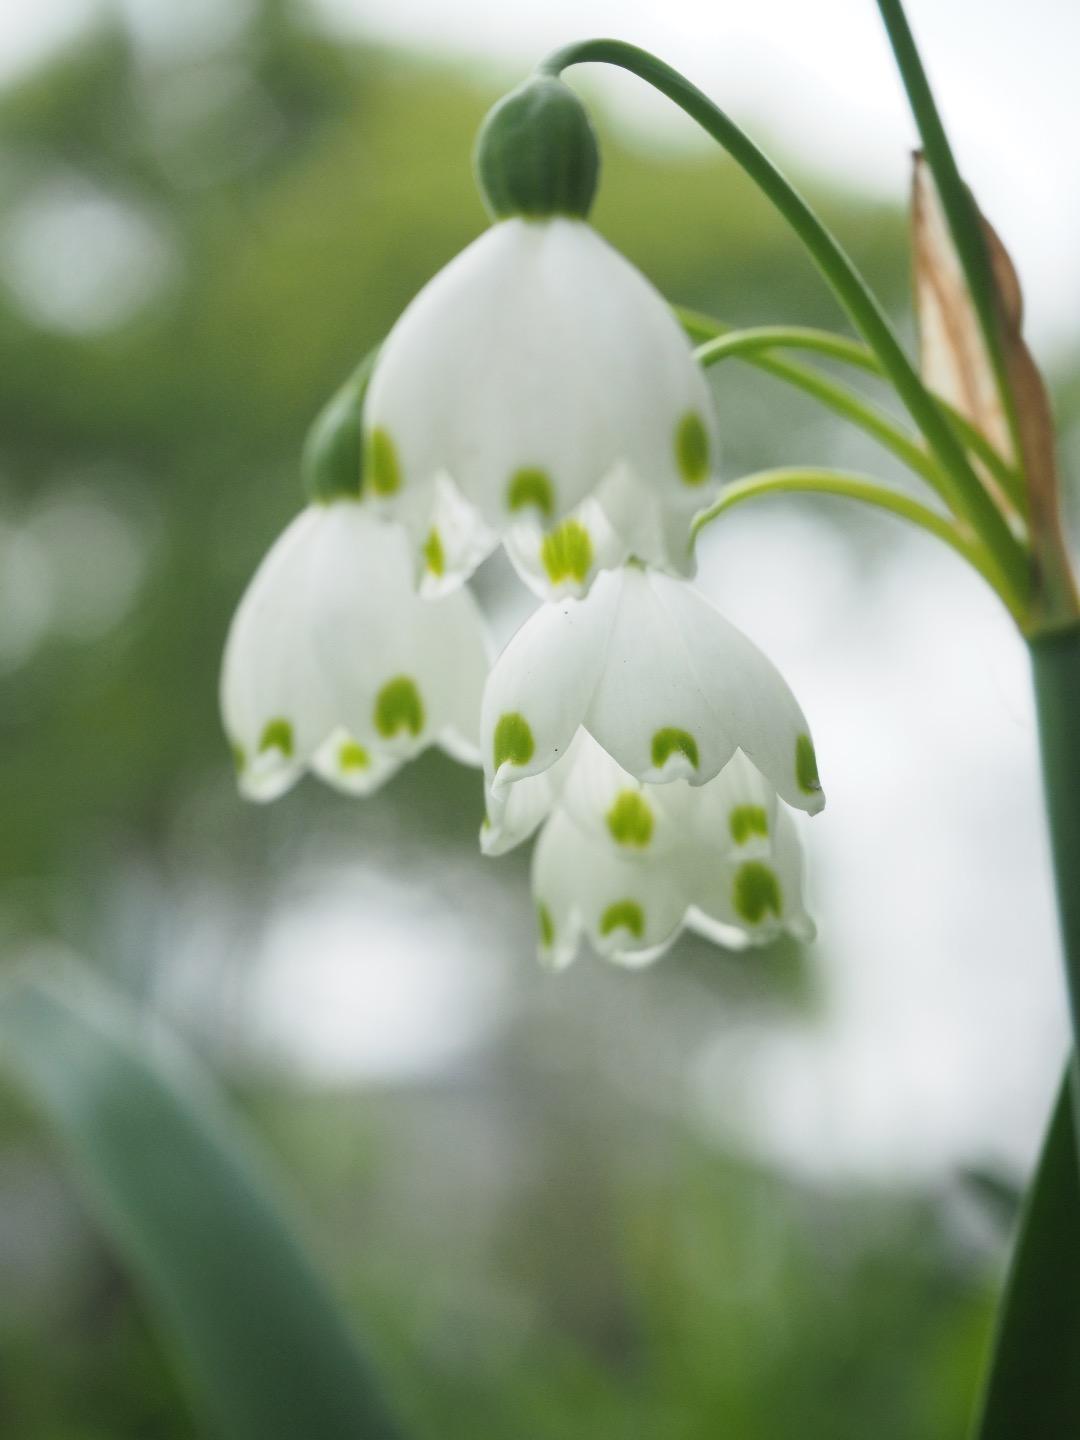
x: 788, y: 337
x: 752, y: 346
x: 839, y: 398
x: 966, y: 494
x: 868, y: 492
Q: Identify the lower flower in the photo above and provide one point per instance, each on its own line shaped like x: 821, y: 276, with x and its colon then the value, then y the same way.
x: 627, y: 864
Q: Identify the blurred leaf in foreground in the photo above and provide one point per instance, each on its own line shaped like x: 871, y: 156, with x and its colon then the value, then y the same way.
x: 174, y: 1181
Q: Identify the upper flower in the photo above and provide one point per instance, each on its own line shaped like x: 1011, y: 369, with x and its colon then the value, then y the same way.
x: 334, y: 663
x: 658, y: 677
x: 542, y: 382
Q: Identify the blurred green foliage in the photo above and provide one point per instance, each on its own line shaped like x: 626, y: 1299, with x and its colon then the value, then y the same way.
x: 542, y: 1254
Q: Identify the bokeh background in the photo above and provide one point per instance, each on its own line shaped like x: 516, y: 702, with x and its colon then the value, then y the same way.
x: 757, y: 1195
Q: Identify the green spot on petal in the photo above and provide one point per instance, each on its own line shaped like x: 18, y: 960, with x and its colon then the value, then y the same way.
x: 398, y: 707
x: 626, y: 914
x: 746, y: 821
x: 806, y: 771
x: 756, y: 892
x: 670, y: 741
x: 545, y: 925
x: 277, y: 735
x: 513, y: 740
x: 434, y: 554
x: 567, y: 552
x: 381, y: 467
x: 352, y: 756
x: 630, y: 820
x: 531, y: 486
x: 692, y: 449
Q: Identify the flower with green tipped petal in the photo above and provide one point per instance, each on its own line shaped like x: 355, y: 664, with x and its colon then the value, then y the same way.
x: 544, y: 380
x: 335, y: 664
x: 627, y: 865
x: 661, y: 681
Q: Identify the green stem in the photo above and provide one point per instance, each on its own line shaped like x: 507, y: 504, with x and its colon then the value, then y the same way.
x: 838, y: 398
x: 788, y: 337
x: 961, y: 214
x: 1055, y: 658
x: 703, y: 329
x: 863, y: 489
x: 966, y: 494
x: 1010, y: 480
x: 1033, y: 1388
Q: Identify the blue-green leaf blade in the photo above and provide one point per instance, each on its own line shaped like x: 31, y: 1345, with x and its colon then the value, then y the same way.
x: 186, y: 1199
x: 1032, y: 1388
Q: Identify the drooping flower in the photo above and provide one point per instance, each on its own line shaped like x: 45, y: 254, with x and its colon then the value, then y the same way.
x: 539, y: 389
x: 333, y: 662
x: 628, y: 865
x: 661, y: 681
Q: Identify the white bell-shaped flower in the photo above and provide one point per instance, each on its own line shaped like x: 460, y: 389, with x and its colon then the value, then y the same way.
x: 544, y: 384
x: 627, y: 865
x: 334, y: 663
x: 748, y: 880
x: 666, y: 686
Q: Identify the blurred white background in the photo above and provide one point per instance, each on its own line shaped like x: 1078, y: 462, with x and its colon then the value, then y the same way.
x: 817, y: 80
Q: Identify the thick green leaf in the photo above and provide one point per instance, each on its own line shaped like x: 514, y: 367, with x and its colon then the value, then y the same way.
x: 1032, y: 1391
x: 186, y: 1201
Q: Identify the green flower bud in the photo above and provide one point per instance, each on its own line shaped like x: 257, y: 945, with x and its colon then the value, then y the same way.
x: 536, y: 154
x: 332, y: 462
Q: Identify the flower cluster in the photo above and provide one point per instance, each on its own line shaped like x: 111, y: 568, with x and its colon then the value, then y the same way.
x: 538, y: 393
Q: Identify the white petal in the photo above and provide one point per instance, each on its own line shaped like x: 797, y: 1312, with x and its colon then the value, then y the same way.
x: 736, y: 812
x: 514, y: 812
x: 540, y: 686
x: 266, y: 776
x: 661, y: 680
x: 649, y: 523
x: 334, y: 661
x: 728, y: 937
x: 452, y: 541
x: 753, y: 697
x: 757, y: 894
x: 682, y: 689
x: 631, y: 910
x: 275, y: 704
x: 627, y: 520
x: 636, y: 821
x: 561, y: 562
x: 453, y: 658
x: 405, y: 671
x: 351, y: 767
x: 539, y: 350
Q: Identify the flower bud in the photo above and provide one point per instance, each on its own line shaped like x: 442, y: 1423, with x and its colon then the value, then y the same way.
x: 332, y: 462
x: 536, y: 154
